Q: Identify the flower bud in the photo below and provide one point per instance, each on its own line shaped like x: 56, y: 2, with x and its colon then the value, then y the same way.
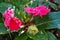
x: 32, y: 29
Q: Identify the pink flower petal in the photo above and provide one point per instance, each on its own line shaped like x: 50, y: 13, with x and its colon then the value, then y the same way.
x: 8, y: 13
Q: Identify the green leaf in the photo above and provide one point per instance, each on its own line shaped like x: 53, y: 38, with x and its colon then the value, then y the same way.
x: 52, y: 20
x: 17, y: 3
x: 51, y: 36
x: 52, y: 24
x: 57, y: 1
x: 1, y: 18
x: 4, y: 6
x: 40, y: 2
x: 1, y: 1
x: 3, y: 29
x: 40, y: 36
x: 54, y: 6
x: 46, y: 4
x: 22, y: 37
x: 33, y: 3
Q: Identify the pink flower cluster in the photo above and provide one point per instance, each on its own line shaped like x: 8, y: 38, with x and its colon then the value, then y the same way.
x: 13, y: 23
x: 39, y: 10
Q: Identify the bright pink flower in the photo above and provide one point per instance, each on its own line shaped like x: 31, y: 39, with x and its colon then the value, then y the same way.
x: 6, y: 22
x: 8, y: 13
x: 14, y: 24
x: 43, y: 10
x: 39, y: 10
x: 11, y: 22
x: 31, y: 11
